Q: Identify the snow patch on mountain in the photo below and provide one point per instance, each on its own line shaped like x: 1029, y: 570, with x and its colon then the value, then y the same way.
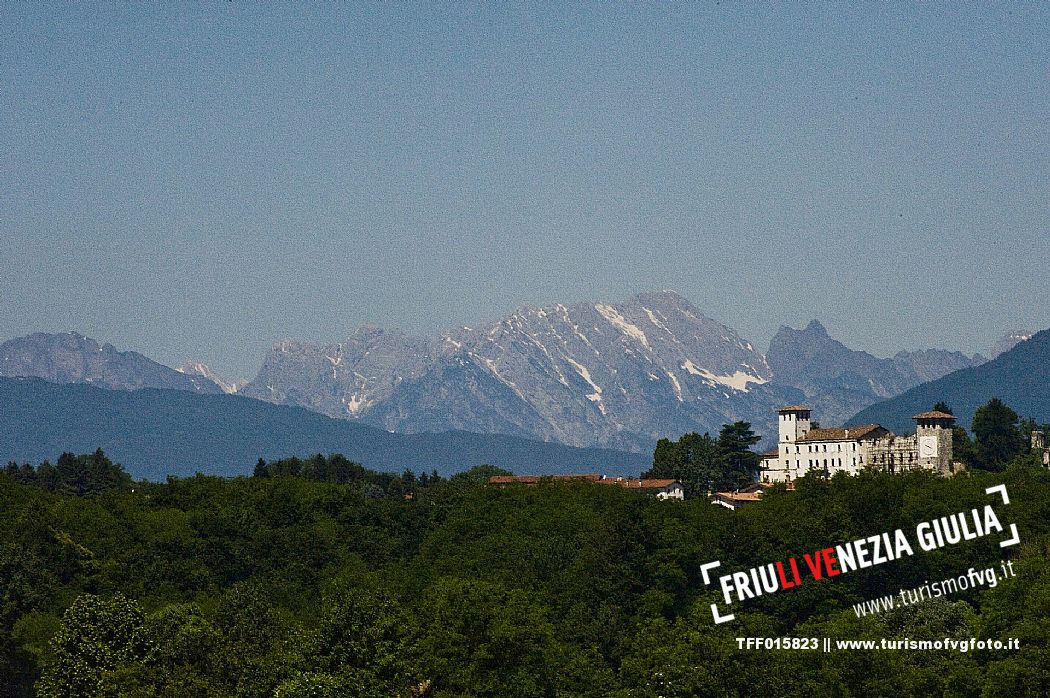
x: 675, y: 385
x: 585, y: 374
x: 619, y: 322
x: 652, y: 319
x: 197, y: 368
x: 737, y: 380
x: 356, y: 403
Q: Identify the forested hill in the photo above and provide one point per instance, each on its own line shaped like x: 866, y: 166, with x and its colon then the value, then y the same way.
x: 1019, y: 377
x: 155, y: 433
x: 277, y: 586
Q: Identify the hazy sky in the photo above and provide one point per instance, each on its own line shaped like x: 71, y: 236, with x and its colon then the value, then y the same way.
x: 198, y: 181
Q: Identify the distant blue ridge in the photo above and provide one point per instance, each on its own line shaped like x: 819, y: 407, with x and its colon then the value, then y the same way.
x: 155, y: 433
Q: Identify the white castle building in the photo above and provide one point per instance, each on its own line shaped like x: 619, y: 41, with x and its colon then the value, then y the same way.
x: 801, y: 448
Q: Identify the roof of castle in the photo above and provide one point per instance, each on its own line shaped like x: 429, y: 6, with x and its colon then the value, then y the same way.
x: 795, y: 408
x: 855, y: 433
x: 934, y: 414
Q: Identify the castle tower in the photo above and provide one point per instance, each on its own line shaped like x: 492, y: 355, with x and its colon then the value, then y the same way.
x: 933, y: 431
x: 794, y: 423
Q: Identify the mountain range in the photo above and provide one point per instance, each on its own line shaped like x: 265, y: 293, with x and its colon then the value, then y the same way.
x: 1020, y: 377
x: 838, y: 382
x: 612, y: 375
x: 619, y: 375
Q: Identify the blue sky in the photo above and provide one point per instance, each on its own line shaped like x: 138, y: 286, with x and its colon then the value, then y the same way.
x: 200, y: 180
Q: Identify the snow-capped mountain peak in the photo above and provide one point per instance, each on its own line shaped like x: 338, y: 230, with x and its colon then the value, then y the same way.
x: 620, y: 374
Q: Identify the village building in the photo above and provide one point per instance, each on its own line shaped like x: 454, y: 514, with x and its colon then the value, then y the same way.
x: 748, y: 494
x: 801, y: 448
x: 659, y: 488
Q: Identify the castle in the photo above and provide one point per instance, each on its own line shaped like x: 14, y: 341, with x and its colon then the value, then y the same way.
x: 802, y: 448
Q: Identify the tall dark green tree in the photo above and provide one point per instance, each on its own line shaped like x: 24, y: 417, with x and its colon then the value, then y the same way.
x: 695, y: 460
x: 735, y: 440
x: 89, y: 474
x: 999, y: 439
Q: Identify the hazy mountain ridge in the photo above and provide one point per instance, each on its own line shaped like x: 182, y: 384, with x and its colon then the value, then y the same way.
x: 1009, y: 341
x: 1019, y: 377
x: 838, y: 381
x: 618, y: 375
x: 156, y: 433
x: 73, y: 358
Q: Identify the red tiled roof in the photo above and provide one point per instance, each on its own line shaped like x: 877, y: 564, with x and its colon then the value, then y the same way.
x: 855, y: 433
x: 795, y: 408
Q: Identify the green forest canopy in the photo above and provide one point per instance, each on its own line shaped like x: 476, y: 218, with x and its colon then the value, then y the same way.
x: 386, y: 585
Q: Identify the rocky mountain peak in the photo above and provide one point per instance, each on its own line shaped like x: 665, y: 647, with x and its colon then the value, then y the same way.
x: 835, y: 379
x: 620, y: 374
x: 815, y: 327
x: 70, y: 357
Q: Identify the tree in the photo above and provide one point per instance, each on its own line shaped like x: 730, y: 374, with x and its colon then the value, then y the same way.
x: 963, y: 448
x: 364, y: 640
x: 735, y: 440
x: 479, y: 474
x: 694, y: 460
x: 98, y: 635
x: 89, y: 474
x: 485, y: 640
x: 998, y: 439
x: 943, y: 406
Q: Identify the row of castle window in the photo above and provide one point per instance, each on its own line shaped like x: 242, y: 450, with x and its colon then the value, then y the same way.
x: 894, y: 458
x: 880, y: 458
x: 818, y: 448
x: 835, y: 462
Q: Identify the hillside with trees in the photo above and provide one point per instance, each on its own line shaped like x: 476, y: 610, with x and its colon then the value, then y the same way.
x: 318, y: 577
